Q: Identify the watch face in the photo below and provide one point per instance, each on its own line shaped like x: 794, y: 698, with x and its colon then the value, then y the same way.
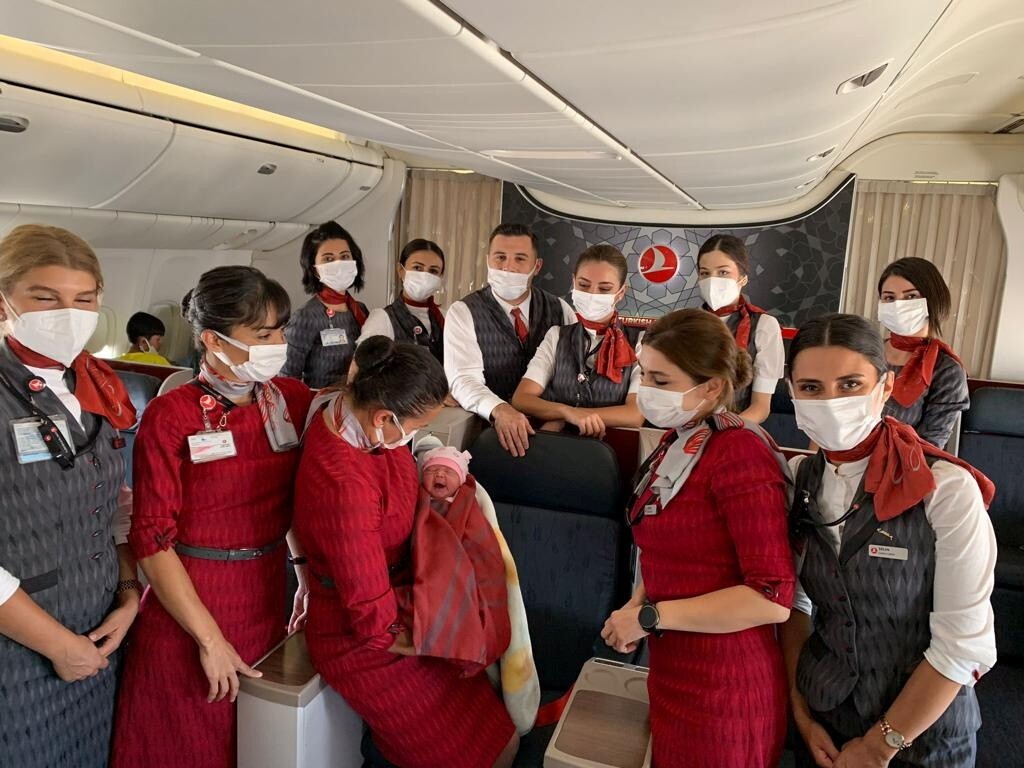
x: 894, y: 740
x: 648, y: 617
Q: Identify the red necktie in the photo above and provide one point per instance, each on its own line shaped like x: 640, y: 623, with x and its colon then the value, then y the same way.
x: 521, y: 330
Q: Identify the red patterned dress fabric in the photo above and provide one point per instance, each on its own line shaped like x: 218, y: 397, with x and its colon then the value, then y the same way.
x: 720, y: 699
x: 163, y: 719
x: 354, y: 516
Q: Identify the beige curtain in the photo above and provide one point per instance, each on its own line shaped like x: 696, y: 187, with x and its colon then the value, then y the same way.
x: 955, y: 226
x: 457, y: 211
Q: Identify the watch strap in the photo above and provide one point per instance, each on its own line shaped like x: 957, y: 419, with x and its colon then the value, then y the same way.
x: 883, y: 723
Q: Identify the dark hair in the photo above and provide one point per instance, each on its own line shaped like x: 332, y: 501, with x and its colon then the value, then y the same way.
x: 515, y: 230
x: 851, y: 332
x: 927, y: 279
x: 606, y: 254
x: 329, y: 230
x: 702, y: 346
x: 227, y: 297
x: 144, y: 325
x: 400, y: 376
x: 732, y: 247
x: 419, y: 244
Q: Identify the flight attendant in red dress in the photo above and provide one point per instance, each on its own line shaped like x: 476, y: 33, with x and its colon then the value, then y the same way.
x: 215, y: 463
x: 354, y: 505
x: 709, y: 517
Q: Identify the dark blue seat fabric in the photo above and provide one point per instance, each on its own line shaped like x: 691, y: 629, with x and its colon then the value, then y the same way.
x: 781, y: 422
x: 142, y: 388
x: 561, y: 510
x: 1001, y: 738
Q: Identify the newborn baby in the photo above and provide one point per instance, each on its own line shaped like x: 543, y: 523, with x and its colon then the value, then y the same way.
x: 444, y: 472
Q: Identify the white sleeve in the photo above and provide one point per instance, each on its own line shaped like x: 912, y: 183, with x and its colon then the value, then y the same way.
x: 464, y: 363
x: 123, y: 516
x: 8, y: 585
x: 634, y: 376
x: 377, y: 324
x: 568, y: 313
x: 542, y: 366
x: 963, y: 644
x: 770, y: 363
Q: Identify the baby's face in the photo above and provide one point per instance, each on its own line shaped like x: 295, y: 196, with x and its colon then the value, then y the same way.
x: 440, y: 482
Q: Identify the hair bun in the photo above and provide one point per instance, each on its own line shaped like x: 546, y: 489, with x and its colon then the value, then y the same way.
x: 374, y: 353
x: 744, y: 368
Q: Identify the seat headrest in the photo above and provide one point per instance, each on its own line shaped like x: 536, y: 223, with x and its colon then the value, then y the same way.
x: 141, y: 388
x: 782, y: 401
x: 563, y: 472
x: 996, y: 411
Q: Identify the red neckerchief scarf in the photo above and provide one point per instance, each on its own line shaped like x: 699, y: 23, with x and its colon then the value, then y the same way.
x: 269, y: 400
x: 615, y: 353
x: 916, y: 375
x: 97, y: 387
x: 746, y: 309
x: 898, y: 475
x: 335, y: 299
x: 435, y: 311
x: 459, y: 596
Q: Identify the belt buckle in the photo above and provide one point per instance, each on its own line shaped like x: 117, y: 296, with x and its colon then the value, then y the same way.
x: 247, y: 553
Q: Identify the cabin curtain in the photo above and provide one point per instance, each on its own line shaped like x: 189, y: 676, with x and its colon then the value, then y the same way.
x: 457, y: 211
x: 954, y: 226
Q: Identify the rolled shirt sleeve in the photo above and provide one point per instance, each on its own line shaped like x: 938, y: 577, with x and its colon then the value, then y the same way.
x: 542, y: 366
x: 8, y: 585
x: 464, y: 363
x: 769, y: 365
x: 963, y: 644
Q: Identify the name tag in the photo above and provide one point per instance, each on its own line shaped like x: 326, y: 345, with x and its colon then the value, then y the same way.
x: 211, y: 446
x: 28, y: 442
x: 333, y: 337
x: 650, y: 509
x: 889, y: 553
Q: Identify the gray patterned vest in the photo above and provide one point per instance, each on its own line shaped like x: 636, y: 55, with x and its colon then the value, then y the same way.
x: 741, y: 399
x: 55, y: 524
x: 407, y: 327
x: 574, y: 381
x: 871, y: 620
x: 505, y: 358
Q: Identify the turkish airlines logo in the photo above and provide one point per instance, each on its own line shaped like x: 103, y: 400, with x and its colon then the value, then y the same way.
x: 659, y: 264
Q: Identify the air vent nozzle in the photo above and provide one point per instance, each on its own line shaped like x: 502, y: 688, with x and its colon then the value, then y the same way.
x: 861, y: 81
x: 13, y: 123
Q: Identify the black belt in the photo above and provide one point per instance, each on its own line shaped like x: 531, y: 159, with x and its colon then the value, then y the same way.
x: 328, y: 583
x: 39, y: 583
x: 210, y: 553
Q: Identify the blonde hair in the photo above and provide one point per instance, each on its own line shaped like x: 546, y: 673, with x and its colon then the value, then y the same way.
x: 34, y: 245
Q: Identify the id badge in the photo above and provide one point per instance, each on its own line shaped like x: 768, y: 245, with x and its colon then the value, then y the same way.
x: 28, y: 443
x: 888, y: 553
x: 333, y: 337
x: 211, y: 446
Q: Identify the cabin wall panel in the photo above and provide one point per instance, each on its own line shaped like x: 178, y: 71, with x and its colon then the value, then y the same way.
x: 1008, y: 354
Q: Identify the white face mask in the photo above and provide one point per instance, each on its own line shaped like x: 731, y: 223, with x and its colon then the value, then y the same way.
x: 719, y: 292
x: 594, y: 307
x: 841, y: 423
x: 508, y: 285
x: 905, y: 317
x: 405, y: 439
x: 264, y: 363
x: 338, y: 275
x: 664, y: 407
x: 59, y: 334
x: 420, y: 286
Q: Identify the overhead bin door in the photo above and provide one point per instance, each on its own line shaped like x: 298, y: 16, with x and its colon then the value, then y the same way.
x: 212, y: 174
x: 73, y: 153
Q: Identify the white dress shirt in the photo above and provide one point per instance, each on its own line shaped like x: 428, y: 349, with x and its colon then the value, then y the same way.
x: 542, y: 367
x: 963, y: 642
x: 378, y: 322
x: 770, y: 363
x: 122, y: 523
x: 464, y: 362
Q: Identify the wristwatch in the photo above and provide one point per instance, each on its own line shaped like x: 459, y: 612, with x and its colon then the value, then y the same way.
x: 893, y: 737
x: 649, y: 618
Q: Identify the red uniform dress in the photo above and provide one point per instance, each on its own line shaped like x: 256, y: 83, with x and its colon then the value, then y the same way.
x: 163, y: 718
x: 719, y: 700
x: 354, y: 515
